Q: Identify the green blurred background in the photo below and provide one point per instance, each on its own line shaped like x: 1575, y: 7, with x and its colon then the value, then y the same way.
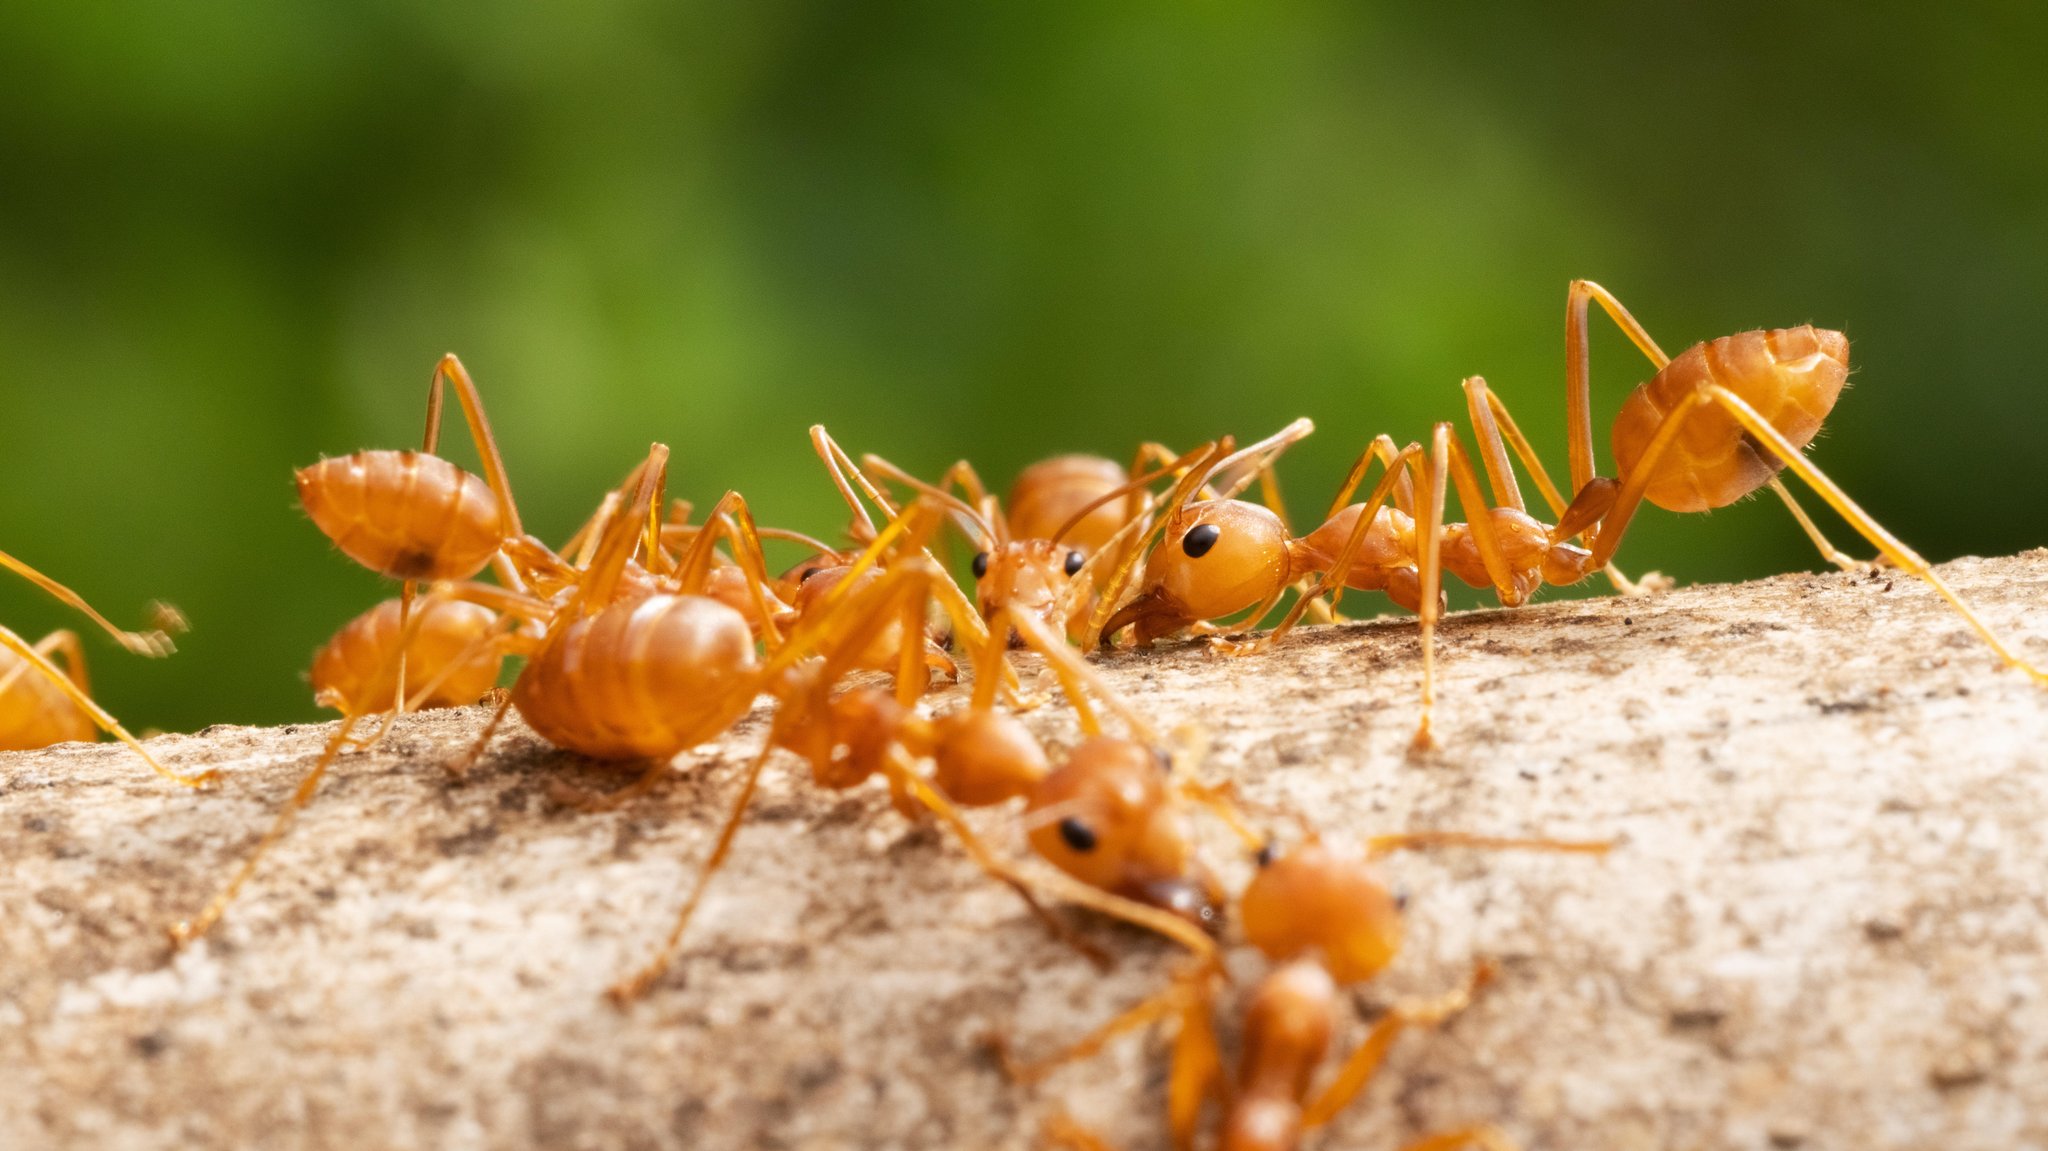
x: 235, y: 236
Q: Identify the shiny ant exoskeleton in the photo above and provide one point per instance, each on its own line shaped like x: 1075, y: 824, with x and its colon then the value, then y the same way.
x: 1068, y: 529
x: 1108, y: 814
x: 1712, y: 426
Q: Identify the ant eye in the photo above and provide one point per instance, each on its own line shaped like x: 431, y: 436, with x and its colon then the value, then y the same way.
x: 980, y: 564
x: 1200, y: 539
x: 807, y: 574
x: 1074, y: 562
x: 1077, y: 834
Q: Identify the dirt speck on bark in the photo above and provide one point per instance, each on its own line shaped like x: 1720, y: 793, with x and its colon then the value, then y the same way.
x: 1824, y: 926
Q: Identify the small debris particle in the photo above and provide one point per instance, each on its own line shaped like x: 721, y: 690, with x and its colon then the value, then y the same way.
x: 1961, y: 1066
x: 1882, y: 929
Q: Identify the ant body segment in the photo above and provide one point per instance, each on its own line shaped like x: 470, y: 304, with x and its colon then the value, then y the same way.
x: 1713, y: 425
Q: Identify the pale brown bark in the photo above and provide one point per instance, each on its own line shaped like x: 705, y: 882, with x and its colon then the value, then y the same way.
x: 1825, y: 925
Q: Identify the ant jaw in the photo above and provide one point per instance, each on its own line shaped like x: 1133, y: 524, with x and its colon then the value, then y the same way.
x: 1194, y: 898
x: 1151, y: 616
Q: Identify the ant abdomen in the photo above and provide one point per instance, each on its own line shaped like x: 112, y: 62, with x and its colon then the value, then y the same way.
x: 35, y: 712
x: 405, y: 514
x: 982, y: 757
x: 642, y: 679
x: 1050, y: 492
x: 1791, y: 376
x: 355, y: 672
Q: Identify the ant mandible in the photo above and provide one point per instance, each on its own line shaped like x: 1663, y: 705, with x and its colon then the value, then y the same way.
x: 1712, y: 426
x: 1326, y: 921
x: 42, y: 703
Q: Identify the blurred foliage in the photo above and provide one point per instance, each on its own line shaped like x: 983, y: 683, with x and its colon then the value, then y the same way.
x: 234, y: 236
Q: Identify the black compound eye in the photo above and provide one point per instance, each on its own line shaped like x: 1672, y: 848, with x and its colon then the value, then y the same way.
x: 808, y: 573
x: 980, y: 564
x: 1077, y: 834
x: 1200, y: 539
x: 1074, y: 562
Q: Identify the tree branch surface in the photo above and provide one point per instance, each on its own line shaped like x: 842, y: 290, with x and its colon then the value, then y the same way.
x: 1824, y: 925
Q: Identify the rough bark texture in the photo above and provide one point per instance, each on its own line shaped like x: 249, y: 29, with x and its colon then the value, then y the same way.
x: 1825, y: 926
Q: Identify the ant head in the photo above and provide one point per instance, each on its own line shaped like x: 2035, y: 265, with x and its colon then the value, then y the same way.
x: 982, y: 757
x: 1312, y: 900
x: 790, y: 582
x: 1216, y: 557
x: 1107, y: 817
x: 1026, y: 575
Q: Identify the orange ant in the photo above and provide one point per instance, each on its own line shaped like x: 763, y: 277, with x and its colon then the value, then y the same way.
x: 1032, y: 561
x: 412, y: 516
x: 1106, y: 816
x: 1711, y: 427
x: 1326, y: 921
x: 42, y: 703
x: 625, y: 661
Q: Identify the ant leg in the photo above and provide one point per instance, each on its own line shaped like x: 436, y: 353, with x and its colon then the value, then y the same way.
x: 623, y: 536
x: 732, y: 519
x: 1359, y: 1066
x: 460, y: 767
x: 1493, y: 453
x: 1448, y: 462
x: 1202, y: 461
x: 451, y: 369
x: 1578, y: 369
x: 1076, y: 673
x: 633, y: 986
x: 151, y: 643
x: 840, y: 466
x: 1159, y: 1005
x: 70, y: 684
x: 1650, y: 582
x: 1828, y: 550
x: 1485, y: 1136
x: 906, y: 783
x: 1889, y: 546
x: 186, y: 930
